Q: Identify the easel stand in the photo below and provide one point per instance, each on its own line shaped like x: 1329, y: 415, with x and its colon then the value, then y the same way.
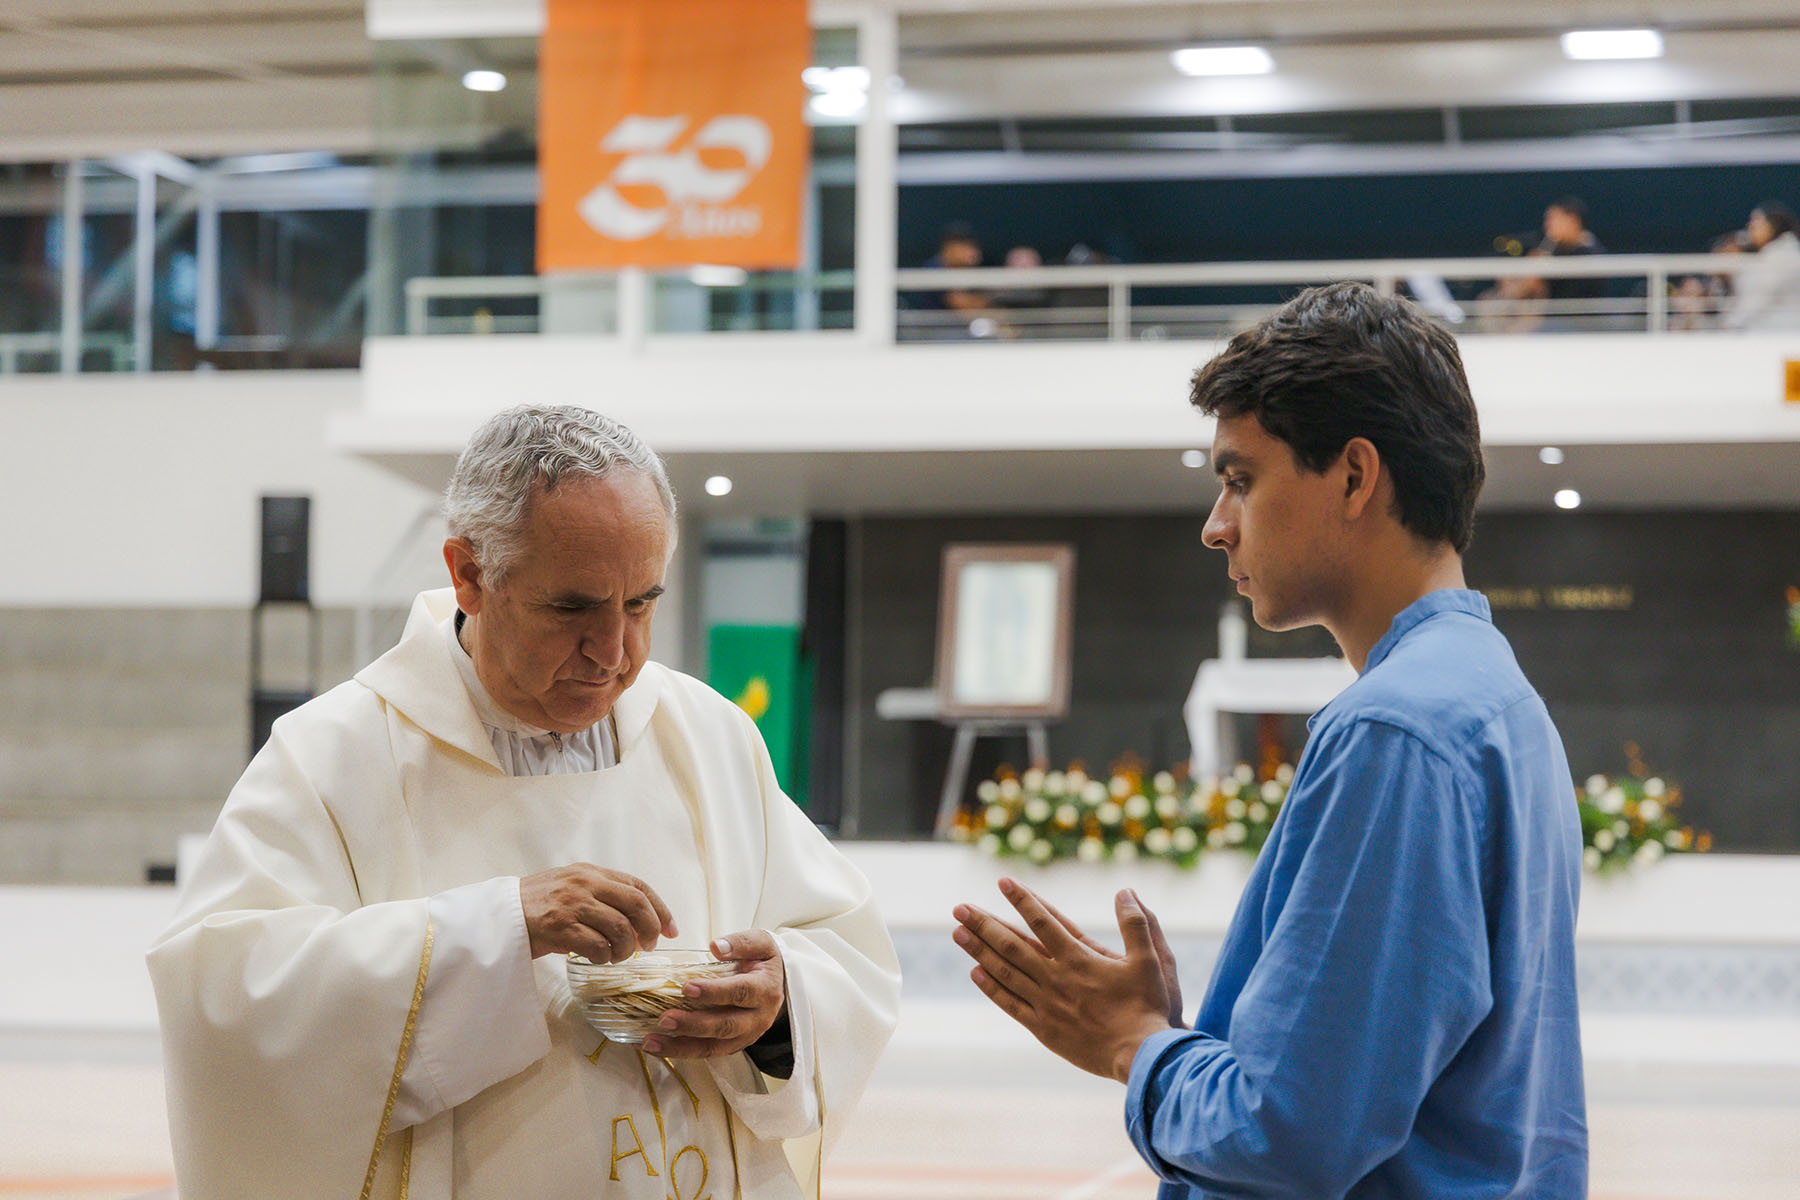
x: 962, y: 750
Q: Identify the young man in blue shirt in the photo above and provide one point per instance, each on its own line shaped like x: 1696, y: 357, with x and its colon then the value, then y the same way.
x: 1393, y: 1013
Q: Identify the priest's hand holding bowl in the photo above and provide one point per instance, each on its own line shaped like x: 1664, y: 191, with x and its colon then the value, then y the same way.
x: 726, y: 1014
x: 607, y: 916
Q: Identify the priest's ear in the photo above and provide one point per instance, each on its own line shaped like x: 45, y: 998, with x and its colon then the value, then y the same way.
x: 465, y: 574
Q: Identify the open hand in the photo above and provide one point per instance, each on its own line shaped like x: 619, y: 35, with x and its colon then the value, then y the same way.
x: 728, y: 1013
x: 1086, y: 1003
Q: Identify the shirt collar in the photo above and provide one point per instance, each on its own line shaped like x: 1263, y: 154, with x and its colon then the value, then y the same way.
x: 1462, y: 600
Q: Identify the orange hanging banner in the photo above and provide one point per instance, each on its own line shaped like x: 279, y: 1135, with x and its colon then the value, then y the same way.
x: 671, y: 133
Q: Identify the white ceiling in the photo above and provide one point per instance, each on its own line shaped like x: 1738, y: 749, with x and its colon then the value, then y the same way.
x: 208, y: 77
x: 1610, y: 478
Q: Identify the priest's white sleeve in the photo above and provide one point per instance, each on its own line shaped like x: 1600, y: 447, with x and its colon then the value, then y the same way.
x: 776, y: 1108
x: 288, y: 1004
x: 481, y: 1020
x: 843, y: 976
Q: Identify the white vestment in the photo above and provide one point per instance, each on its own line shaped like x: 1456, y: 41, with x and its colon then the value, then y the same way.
x: 349, y: 963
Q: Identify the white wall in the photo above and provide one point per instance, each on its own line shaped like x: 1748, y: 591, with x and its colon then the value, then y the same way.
x: 795, y: 393
x: 142, y: 490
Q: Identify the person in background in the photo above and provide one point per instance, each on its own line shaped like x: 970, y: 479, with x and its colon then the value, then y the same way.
x: 1768, y: 289
x: 959, y: 250
x: 1702, y: 301
x: 1022, y: 305
x: 1566, y: 234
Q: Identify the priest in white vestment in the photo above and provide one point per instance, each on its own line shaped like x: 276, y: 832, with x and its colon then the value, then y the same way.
x: 363, y: 993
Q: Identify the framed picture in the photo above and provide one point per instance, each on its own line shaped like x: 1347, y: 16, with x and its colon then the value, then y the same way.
x: 1004, y: 621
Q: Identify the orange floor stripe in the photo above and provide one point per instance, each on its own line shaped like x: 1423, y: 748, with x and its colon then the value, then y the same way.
x: 85, y: 1183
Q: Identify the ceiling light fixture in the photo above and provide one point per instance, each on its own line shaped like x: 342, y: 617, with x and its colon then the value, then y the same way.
x: 1551, y: 456
x: 484, y: 81
x: 708, y: 275
x: 718, y: 485
x: 1193, y: 458
x: 1568, y: 498
x: 838, y: 93
x: 1223, y: 60
x: 839, y: 104
x: 1586, y: 44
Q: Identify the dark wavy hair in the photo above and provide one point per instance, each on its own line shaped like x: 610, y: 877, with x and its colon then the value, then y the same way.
x: 1345, y: 361
x: 1780, y: 217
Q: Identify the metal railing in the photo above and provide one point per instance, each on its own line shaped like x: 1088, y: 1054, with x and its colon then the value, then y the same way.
x: 1613, y: 294
x: 1637, y: 293
x: 46, y: 349
x: 677, y: 303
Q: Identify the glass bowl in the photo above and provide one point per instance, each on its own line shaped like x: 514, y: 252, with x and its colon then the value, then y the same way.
x: 624, y: 1001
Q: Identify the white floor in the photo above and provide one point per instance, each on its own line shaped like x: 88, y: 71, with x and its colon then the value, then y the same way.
x: 83, y: 1119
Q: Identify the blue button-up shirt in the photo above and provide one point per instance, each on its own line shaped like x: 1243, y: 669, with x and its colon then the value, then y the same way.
x: 1393, y: 1012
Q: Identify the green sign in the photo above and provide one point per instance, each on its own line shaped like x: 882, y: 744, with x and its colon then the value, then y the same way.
x: 757, y: 667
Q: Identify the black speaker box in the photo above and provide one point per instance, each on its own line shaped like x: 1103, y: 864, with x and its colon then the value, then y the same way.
x: 286, y: 525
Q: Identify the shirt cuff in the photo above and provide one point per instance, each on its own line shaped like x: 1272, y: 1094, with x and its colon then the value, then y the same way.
x: 481, y: 1020
x: 1143, y: 1091
x: 776, y: 1108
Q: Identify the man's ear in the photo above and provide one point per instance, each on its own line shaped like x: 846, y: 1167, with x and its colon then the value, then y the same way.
x: 1362, y: 476
x: 465, y: 574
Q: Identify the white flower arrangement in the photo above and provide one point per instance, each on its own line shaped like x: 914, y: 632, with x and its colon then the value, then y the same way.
x: 1631, y: 820
x: 1045, y: 816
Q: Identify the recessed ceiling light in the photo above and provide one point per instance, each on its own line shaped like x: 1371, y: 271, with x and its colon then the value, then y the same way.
x: 718, y: 485
x: 839, y: 104
x: 1550, y: 456
x: 1223, y: 60
x: 1612, y: 43
x: 484, y: 81
x: 1193, y: 458
x: 707, y: 275
x: 1568, y: 498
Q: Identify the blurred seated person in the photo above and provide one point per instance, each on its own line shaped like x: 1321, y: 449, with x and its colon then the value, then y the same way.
x: 1768, y: 289
x: 1096, y: 299
x: 958, y: 250
x: 1022, y: 258
x: 1529, y: 303
x: 1700, y: 301
x: 1021, y: 300
x: 1566, y: 233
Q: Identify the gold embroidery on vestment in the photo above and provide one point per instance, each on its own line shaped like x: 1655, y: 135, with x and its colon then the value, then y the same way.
x: 681, y: 1079
x: 387, y: 1111
x: 700, y: 1192
x: 595, y: 1056
x: 662, y: 1136
x: 637, y: 1148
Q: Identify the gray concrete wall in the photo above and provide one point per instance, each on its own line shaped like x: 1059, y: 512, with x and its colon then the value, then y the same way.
x: 121, y: 729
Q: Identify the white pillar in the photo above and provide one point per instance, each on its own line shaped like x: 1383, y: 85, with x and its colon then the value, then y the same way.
x: 806, y: 294
x: 73, y: 246
x: 634, y: 306
x: 143, y: 272
x: 877, y: 199
x: 206, y: 268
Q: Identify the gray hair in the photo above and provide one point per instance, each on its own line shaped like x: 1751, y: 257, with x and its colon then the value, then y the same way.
x: 524, y: 452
